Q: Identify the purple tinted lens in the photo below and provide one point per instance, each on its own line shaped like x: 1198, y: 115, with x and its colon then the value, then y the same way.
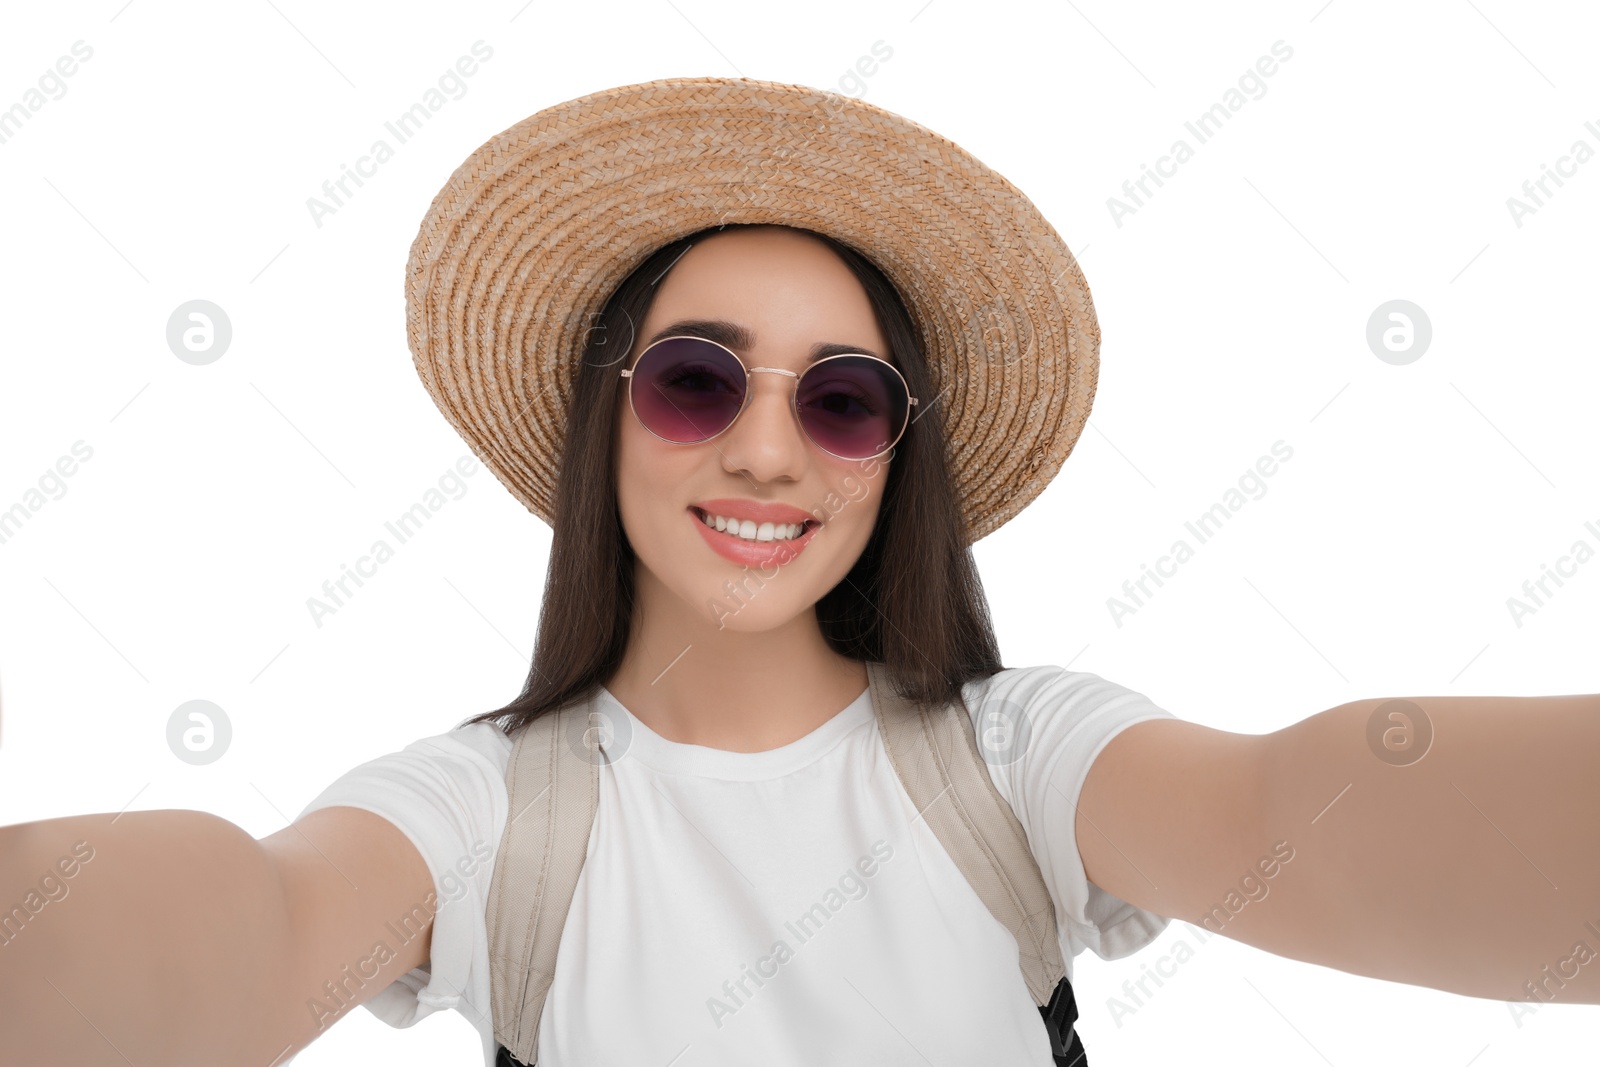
x: 686, y: 389
x: 852, y: 406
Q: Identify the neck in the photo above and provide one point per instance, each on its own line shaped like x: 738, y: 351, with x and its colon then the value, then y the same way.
x: 740, y: 691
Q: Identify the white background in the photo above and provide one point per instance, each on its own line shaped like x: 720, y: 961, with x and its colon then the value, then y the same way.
x: 1234, y: 304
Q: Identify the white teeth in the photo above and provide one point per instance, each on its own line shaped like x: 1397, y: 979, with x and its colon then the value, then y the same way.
x: 750, y: 531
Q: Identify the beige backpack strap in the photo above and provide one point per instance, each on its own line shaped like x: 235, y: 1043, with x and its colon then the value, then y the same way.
x: 552, y: 789
x: 935, y: 752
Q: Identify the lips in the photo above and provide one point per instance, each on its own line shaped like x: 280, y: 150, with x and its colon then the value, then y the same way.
x: 754, y: 553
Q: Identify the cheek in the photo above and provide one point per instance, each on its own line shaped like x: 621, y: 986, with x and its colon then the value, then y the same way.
x: 853, y: 501
x: 640, y: 476
x: 649, y: 474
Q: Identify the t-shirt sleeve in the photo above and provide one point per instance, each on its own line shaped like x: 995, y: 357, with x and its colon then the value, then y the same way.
x: 447, y: 795
x: 1040, y: 729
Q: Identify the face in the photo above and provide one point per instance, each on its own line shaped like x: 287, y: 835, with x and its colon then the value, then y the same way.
x: 789, y: 292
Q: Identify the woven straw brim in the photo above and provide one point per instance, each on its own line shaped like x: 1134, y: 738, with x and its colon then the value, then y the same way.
x: 518, y: 252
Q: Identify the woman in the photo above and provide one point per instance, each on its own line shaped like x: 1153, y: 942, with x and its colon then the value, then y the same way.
x: 758, y: 887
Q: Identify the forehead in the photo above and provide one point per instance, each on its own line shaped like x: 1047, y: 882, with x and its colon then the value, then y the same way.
x: 785, y: 293
x: 767, y: 272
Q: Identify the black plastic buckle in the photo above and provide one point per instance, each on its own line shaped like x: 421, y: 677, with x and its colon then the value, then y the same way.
x: 504, y: 1058
x: 1059, y: 1016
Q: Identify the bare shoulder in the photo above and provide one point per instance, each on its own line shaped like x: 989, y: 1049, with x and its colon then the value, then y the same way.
x: 1170, y: 811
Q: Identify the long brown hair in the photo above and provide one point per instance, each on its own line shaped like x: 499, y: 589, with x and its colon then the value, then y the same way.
x: 912, y: 601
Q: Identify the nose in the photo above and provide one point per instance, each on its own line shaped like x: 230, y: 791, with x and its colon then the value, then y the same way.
x: 766, y: 442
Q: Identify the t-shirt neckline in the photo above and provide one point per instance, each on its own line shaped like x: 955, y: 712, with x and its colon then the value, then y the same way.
x: 676, y: 757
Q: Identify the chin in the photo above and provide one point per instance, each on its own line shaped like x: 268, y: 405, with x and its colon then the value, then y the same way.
x: 748, y: 600
x: 759, y: 613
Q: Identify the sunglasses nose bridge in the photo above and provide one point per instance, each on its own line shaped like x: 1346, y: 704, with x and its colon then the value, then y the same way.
x: 774, y: 370
x: 786, y: 391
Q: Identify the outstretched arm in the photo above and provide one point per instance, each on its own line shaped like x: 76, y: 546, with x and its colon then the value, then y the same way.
x: 175, y: 938
x: 1449, y: 842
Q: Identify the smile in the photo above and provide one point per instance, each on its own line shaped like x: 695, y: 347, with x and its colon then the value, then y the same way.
x: 752, y: 531
x: 753, y: 543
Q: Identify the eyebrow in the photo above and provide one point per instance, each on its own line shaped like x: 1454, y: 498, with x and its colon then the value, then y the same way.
x: 741, y: 339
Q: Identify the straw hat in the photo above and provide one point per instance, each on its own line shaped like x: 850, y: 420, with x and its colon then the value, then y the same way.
x: 519, y: 251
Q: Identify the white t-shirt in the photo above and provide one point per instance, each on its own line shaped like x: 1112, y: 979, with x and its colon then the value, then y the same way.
x: 723, y: 914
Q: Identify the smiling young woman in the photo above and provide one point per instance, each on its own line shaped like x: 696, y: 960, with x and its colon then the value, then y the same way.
x: 636, y: 582
x: 756, y: 867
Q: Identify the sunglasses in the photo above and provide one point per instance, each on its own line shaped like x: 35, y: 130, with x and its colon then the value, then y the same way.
x: 687, y: 389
